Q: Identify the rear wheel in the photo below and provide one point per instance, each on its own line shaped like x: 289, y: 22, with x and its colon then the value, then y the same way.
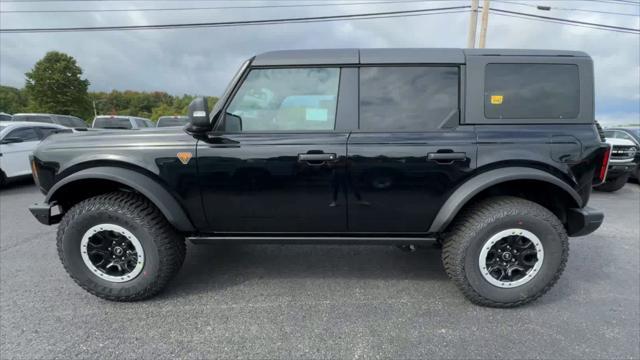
x: 119, y: 246
x: 613, y: 185
x: 505, y: 251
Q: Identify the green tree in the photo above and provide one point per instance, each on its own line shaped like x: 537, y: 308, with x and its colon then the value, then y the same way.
x: 12, y: 100
x: 55, y: 85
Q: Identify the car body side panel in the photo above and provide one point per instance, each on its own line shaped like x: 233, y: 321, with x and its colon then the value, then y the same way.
x: 153, y: 153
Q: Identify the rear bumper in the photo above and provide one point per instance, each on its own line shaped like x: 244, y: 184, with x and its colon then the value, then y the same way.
x: 583, y: 221
x: 42, y: 212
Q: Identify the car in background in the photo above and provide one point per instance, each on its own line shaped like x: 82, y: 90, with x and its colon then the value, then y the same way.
x: 628, y: 133
x: 621, y: 164
x: 175, y: 120
x: 123, y: 122
x: 5, y: 117
x: 17, y: 142
x: 64, y: 120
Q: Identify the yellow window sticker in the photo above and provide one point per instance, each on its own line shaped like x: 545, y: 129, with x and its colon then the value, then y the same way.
x: 496, y: 99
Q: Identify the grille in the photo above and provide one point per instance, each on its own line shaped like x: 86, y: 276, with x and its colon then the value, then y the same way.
x: 623, y: 152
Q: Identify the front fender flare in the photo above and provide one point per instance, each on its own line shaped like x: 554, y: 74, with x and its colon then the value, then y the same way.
x: 475, y: 185
x: 150, y: 188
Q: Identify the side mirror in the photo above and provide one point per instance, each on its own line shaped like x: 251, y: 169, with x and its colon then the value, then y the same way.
x: 232, y: 123
x: 198, y: 114
x: 11, y: 140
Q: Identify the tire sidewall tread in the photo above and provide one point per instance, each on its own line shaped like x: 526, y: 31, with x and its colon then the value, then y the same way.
x: 164, y: 248
x: 473, y: 227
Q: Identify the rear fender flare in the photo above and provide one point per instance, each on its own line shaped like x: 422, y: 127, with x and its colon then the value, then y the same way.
x: 150, y: 188
x: 475, y: 185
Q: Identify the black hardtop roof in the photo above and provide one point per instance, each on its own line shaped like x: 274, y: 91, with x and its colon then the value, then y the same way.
x: 393, y: 56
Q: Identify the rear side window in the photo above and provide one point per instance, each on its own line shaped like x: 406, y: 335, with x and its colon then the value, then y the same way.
x: 531, y: 91
x: 286, y: 99
x: 141, y: 123
x: 407, y: 98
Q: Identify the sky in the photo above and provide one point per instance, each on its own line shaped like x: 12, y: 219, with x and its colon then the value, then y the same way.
x: 202, y: 61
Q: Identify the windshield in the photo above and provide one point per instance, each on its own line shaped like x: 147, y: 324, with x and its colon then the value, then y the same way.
x: 35, y: 118
x: 635, y: 131
x: 172, y: 121
x: 112, y: 123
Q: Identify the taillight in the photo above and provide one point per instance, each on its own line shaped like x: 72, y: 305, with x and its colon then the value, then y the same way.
x: 34, y: 170
x: 605, y: 164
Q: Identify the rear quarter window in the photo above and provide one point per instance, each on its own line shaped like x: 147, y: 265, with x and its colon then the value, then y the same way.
x: 531, y: 91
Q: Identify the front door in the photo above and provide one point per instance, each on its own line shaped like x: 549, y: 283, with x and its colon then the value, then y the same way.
x: 271, y: 165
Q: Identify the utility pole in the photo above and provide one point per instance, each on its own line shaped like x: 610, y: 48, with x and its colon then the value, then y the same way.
x: 483, y: 26
x: 473, y: 24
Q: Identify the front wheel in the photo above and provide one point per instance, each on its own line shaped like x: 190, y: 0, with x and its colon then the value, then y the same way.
x: 505, y: 251
x: 119, y: 247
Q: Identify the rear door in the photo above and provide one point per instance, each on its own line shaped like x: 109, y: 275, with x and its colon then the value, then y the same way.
x: 410, y: 151
x: 271, y: 164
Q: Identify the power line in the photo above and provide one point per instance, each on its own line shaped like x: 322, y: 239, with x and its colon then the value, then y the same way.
x: 616, y: 2
x: 241, y: 23
x: 565, y: 9
x: 219, y: 7
x: 603, y: 26
x: 561, y: 23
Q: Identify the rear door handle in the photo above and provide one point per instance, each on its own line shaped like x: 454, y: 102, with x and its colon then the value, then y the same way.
x: 316, y: 159
x: 447, y: 157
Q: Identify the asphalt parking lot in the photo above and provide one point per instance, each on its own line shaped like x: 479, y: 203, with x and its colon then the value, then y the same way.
x: 307, y: 301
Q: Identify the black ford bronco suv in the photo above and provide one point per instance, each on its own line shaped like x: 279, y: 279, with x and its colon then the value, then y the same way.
x: 493, y: 153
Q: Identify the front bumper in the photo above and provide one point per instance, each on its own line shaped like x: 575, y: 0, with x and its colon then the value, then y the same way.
x: 583, y: 221
x: 43, y: 213
x: 619, y: 169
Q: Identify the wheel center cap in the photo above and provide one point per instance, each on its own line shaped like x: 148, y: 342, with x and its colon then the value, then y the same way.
x: 118, y: 251
x: 506, y: 256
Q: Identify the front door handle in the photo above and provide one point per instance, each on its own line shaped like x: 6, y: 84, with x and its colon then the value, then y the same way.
x: 316, y: 159
x: 447, y: 157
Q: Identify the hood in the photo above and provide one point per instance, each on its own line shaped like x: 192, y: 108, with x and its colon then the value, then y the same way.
x: 110, y: 139
x: 619, y: 142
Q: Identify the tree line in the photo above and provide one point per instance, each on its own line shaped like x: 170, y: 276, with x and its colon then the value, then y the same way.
x: 55, y: 86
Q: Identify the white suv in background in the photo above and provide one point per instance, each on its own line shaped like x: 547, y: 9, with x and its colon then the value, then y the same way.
x: 18, y: 139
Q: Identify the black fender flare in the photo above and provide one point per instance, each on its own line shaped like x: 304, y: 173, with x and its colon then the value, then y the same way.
x: 483, y: 181
x: 150, y: 188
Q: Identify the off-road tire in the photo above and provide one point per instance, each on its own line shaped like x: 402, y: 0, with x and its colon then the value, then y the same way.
x: 613, y: 185
x: 477, y: 223
x: 163, y: 247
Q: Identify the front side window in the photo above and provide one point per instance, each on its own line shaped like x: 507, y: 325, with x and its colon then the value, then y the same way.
x: 407, y: 98
x: 26, y: 134
x: 531, y: 91
x: 285, y: 100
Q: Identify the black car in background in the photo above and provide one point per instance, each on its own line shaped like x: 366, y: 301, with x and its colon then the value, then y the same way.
x: 175, y: 120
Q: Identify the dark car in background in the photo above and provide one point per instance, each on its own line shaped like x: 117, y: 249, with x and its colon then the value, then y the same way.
x: 628, y: 133
x: 5, y: 117
x: 175, y: 120
x: 123, y: 122
x: 64, y: 120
